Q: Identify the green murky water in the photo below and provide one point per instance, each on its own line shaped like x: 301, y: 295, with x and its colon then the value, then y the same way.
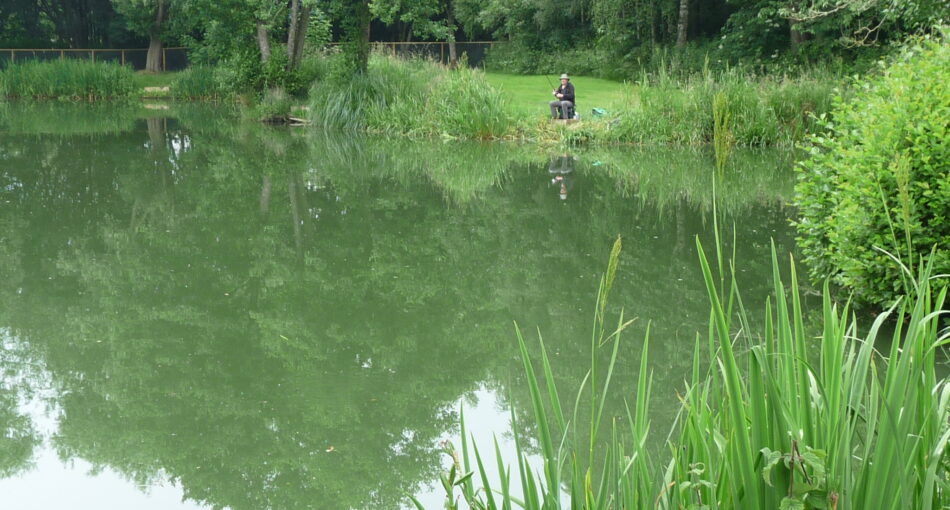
x: 200, y: 312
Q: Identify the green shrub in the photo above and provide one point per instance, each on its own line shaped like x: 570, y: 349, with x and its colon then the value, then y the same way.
x: 879, y: 180
x: 67, y: 79
x: 243, y: 72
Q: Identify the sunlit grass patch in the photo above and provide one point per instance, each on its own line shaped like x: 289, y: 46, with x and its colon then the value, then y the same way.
x: 529, y: 95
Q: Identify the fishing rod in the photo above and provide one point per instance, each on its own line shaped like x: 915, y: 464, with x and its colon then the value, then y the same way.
x: 548, y: 78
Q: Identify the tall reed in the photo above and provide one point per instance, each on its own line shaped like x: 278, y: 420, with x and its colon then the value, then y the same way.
x: 71, y: 79
x: 201, y: 83
x: 723, y: 139
x: 764, y: 111
x: 765, y: 421
x: 414, y: 97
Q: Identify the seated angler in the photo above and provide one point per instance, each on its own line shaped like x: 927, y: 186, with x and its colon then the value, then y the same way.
x: 564, y: 103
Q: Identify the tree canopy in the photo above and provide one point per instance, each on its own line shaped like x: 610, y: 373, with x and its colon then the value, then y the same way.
x: 627, y: 30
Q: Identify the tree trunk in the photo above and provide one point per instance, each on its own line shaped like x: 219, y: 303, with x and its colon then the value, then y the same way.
x: 654, y: 25
x: 265, y: 196
x: 356, y: 23
x: 153, y: 59
x: 682, y: 27
x: 297, y: 35
x: 156, y: 133
x: 295, y: 214
x: 263, y: 41
x: 795, y: 37
x: 453, y: 53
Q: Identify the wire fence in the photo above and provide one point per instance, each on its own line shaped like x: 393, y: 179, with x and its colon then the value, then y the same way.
x: 172, y: 59
x: 475, y: 52
x: 176, y: 59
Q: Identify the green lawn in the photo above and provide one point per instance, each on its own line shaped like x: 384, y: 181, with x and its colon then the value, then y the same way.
x: 529, y: 95
x: 143, y: 79
x: 161, y: 80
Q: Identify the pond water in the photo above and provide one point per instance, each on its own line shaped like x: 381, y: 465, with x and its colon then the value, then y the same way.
x: 201, y: 312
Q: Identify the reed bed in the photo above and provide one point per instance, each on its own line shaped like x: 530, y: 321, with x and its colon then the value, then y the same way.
x: 777, y: 421
x: 414, y: 97
x: 762, y: 111
x: 77, y: 80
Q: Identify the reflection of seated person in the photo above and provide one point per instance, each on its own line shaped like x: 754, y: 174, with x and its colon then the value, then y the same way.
x: 562, y: 167
x: 565, y: 99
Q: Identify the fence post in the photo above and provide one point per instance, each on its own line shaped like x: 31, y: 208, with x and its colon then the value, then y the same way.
x: 164, y: 65
x: 12, y: 55
x: 93, y: 53
x: 123, y: 56
x: 62, y: 54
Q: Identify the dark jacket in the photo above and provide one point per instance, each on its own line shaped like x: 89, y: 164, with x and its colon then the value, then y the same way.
x: 568, y: 91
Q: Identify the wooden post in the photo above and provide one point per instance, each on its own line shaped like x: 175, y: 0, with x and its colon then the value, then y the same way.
x: 164, y: 65
x: 123, y: 56
x: 441, y: 53
x: 93, y: 53
x: 12, y: 55
x: 62, y: 54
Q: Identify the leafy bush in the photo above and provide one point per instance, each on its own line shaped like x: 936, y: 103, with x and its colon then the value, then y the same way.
x: 67, y: 79
x: 879, y: 180
x: 244, y: 72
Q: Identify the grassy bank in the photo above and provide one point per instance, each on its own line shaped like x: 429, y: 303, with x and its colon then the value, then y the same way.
x: 418, y: 98
x: 766, y: 421
x: 77, y: 80
x: 421, y: 99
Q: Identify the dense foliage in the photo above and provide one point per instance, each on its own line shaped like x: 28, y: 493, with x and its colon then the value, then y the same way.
x: 880, y: 181
x: 611, y: 38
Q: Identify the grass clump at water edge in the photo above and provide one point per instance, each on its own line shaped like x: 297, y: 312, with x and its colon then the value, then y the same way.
x: 413, y: 97
x: 765, y: 426
x: 202, y: 83
x: 71, y: 79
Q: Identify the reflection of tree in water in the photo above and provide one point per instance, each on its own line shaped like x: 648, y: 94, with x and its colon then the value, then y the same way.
x: 18, y: 438
x: 282, y: 321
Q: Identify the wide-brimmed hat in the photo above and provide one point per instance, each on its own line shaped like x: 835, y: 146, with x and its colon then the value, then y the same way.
x: 565, y: 77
